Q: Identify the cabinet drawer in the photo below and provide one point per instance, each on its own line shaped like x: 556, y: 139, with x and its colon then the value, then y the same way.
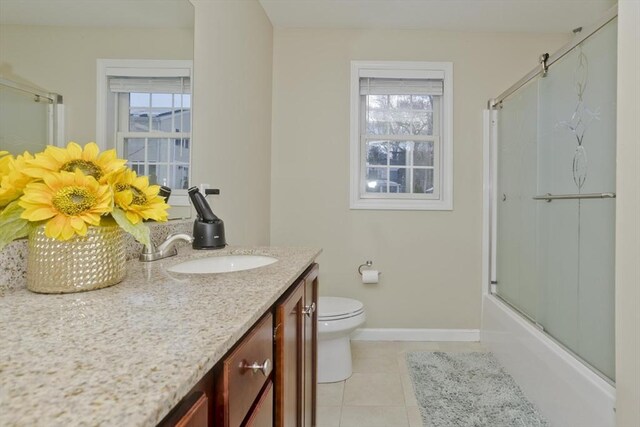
x: 243, y: 383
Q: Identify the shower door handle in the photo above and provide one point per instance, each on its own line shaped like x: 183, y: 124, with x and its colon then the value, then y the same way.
x: 550, y: 197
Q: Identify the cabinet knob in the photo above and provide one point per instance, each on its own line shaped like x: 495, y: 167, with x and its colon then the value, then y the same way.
x: 309, y: 309
x: 265, y: 368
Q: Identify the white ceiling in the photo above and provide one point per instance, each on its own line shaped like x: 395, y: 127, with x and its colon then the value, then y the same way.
x: 98, y: 13
x: 452, y: 15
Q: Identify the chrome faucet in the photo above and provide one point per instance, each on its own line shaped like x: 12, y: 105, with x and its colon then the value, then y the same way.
x: 166, y: 248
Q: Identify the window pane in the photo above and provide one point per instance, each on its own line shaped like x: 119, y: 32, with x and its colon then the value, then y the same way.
x: 376, y: 180
x: 180, y: 150
x: 422, y: 123
x: 400, y: 122
x: 162, y: 100
x: 138, y: 168
x: 182, y: 121
x: 384, y: 116
x: 134, y: 149
x: 180, y: 177
x: 398, y: 153
x: 139, y: 120
x: 399, y: 114
x: 423, y: 181
x: 182, y: 100
x: 398, y: 180
x: 161, y: 119
x: 422, y: 102
x: 158, y: 150
x: 139, y: 100
x: 377, y: 152
x: 388, y: 122
x: 377, y: 123
x: 378, y: 102
x: 400, y: 101
x: 158, y: 174
x: 423, y: 154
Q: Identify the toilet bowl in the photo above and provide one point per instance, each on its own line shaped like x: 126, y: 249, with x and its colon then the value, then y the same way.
x: 337, y: 319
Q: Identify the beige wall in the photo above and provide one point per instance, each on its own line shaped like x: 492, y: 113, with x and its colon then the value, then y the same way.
x: 233, y: 46
x: 431, y: 261
x: 628, y: 217
x: 63, y: 60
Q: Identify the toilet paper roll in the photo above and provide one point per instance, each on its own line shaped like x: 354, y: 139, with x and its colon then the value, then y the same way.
x: 370, y: 276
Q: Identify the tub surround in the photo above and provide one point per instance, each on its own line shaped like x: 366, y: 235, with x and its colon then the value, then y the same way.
x: 564, y: 390
x: 126, y: 355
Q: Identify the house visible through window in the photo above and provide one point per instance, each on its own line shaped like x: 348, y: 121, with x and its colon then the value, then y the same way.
x: 401, y: 139
x: 148, y: 120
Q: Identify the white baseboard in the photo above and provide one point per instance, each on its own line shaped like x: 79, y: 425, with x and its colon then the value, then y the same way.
x: 391, y: 334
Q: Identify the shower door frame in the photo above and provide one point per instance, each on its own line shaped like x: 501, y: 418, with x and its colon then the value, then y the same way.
x: 566, y: 389
x: 490, y: 207
x: 55, y: 109
x: 490, y: 156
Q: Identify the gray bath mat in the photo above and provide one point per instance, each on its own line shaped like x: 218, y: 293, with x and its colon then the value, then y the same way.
x: 468, y: 389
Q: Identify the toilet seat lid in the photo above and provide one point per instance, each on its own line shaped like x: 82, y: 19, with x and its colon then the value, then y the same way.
x: 338, y: 308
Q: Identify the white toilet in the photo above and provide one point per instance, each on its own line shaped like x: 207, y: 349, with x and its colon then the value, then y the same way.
x: 337, y: 319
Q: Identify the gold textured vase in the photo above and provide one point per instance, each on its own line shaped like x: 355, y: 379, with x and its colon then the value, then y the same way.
x: 94, y: 261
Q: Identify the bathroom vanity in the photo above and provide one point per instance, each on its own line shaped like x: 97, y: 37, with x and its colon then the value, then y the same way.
x: 269, y: 377
x: 166, y: 348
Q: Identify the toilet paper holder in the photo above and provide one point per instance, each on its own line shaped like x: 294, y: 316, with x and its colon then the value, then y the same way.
x: 366, y: 264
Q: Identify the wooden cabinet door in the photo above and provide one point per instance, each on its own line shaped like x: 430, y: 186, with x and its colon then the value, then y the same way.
x: 262, y: 414
x: 296, y: 341
x: 310, y: 346
x: 193, y: 411
x: 288, y: 365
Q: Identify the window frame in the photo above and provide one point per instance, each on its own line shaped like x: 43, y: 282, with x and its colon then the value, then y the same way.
x: 443, y: 143
x: 107, y: 68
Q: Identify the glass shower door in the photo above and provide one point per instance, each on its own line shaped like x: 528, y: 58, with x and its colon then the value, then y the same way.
x: 24, y: 123
x: 555, y: 257
x: 577, y: 127
x: 517, y: 232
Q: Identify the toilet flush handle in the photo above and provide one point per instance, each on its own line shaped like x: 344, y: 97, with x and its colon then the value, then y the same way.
x: 309, y: 309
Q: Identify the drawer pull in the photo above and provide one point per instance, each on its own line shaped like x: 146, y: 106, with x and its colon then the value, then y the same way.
x: 309, y: 309
x: 265, y: 368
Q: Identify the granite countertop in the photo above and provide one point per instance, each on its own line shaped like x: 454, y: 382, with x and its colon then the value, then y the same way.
x: 127, y: 354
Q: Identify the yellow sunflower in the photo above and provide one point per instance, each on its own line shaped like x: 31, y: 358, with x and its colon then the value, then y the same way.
x: 12, y: 178
x: 138, y: 199
x: 88, y: 160
x: 5, y: 160
x: 67, y: 201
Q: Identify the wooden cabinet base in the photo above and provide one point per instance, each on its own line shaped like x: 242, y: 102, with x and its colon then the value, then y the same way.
x: 268, y: 378
x: 296, y: 353
x: 191, y: 412
x: 262, y: 414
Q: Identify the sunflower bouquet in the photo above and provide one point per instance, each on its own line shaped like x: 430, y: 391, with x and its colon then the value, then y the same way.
x: 69, y: 189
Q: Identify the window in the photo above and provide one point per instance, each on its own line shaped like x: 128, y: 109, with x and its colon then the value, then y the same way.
x: 401, y: 135
x: 146, y: 116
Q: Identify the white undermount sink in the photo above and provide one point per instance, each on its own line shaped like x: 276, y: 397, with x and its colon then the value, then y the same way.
x: 222, y: 264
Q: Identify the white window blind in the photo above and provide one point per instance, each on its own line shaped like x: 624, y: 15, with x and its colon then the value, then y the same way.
x: 150, y: 84
x: 384, y: 86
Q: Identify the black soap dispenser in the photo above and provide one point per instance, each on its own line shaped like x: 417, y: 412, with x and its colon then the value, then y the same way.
x: 208, y: 229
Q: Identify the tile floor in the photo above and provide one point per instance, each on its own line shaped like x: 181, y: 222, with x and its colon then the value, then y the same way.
x: 379, y: 393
